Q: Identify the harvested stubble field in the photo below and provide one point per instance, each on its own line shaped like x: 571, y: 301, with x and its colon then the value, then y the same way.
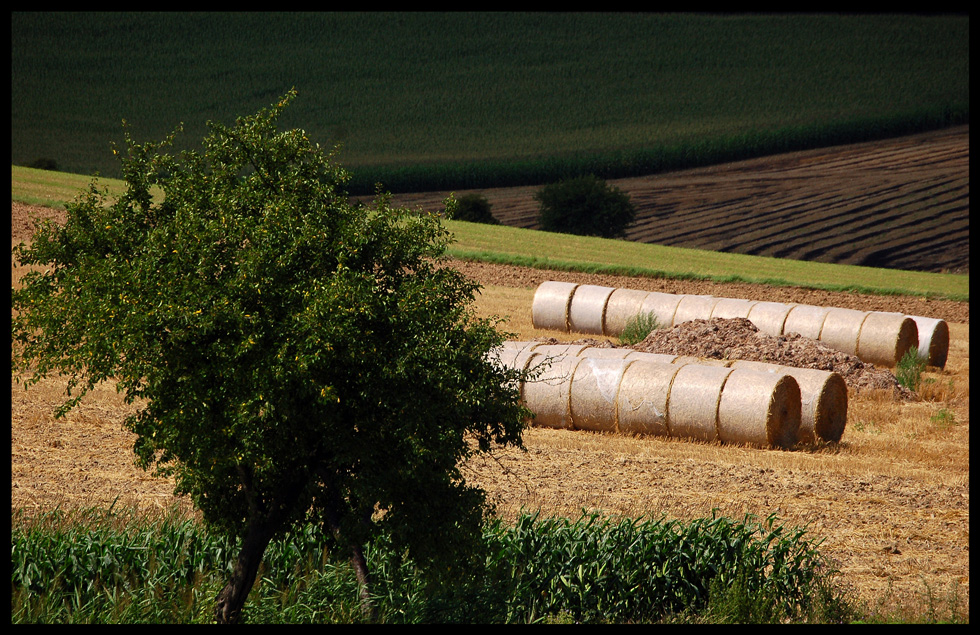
x: 890, y: 501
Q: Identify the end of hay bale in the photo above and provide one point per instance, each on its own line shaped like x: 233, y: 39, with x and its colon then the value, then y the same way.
x: 549, y: 309
x: 692, y: 409
x: 827, y: 416
x: 841, y: 328
x: 933, y: 340
x: 759, y: 408
x: 886, y: 337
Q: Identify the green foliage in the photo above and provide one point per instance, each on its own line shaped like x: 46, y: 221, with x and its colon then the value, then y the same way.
x: 909, y: 370
x: 94, y: 566
x: 474, y: 208
x: 638, y: 327
x: 295, y: 357
x: 584, y: 206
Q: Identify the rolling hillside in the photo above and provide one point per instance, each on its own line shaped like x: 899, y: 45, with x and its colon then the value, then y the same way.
x: 902, y: 203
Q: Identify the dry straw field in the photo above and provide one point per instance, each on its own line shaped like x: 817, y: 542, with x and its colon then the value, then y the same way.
x: 890, y: 500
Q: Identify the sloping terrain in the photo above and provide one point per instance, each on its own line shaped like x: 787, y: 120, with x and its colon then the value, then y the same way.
x: 902, y: 204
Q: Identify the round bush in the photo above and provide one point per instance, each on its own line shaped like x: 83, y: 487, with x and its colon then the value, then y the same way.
x: 474, y: 208
x: 585, y: 206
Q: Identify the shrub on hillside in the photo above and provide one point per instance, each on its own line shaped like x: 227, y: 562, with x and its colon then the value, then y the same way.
x: 585, y: 206
x: 474, y: 208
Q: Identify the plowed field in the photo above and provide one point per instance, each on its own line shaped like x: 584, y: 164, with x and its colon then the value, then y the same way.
x: 900, y: 204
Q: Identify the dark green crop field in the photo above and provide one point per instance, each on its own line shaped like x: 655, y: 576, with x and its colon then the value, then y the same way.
x: 423, y: 101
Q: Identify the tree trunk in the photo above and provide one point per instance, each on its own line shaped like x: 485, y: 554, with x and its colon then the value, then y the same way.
x: 232, y: 597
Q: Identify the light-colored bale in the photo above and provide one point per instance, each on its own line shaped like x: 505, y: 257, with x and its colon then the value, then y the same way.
x: 886, y: 337
x: 622, y: 306
x: 823, y: 397
x: 660, y: 358
x: 593, y: 393
x: 605, y: 353
x: 692, y: 409
x: 662, y: 305
x: 549, y: 309
x: 841, y: 329
x: 732, y: 308
x: 806, y: 320
x: 560, y: 349
x: 933, y: 340
x: 548, y: 396
x: 694, y: 307
x: 759, y: 408
x: 707, y: 361
x: 769, y: 317
x: 641, y: 403
x: 588, y: 309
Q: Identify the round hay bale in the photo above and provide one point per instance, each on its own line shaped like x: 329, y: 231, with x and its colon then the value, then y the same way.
x: 886, y: 337
x: 560, y: 349
x: 594, y: 389
x: 643, y: 356
x: 549, y: 309
x: 641, y: 403
x: 841, y: 329
x: 823, y: 398
x: 692, y: 411
x: 732, y: 308
x: 605, y: 353
x: 769, y: 317
x: 622, y: 306
x: 933, y: 340
x: 548, y: 395
x: 694, y: 307
x: 806, y: 320
x: 759, y: 408
x: 707, y: 361
x: 662, y: 305
x: 588, y: 309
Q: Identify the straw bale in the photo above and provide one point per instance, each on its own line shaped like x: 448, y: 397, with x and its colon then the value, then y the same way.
x: 661, y: 358
x: 933, y: 340
x: 759, y: 408
x: 732, y: 308
x: 593, y: 393
x: 622, y: 306
x: 662, y: 305
x: 841, y: 329
x: 605, y: 353
x: 549, y: 309
x: 694, y: 307
x: 693, y: 405
x: 560, y: 349
x: 548, y: 396
x: 886, y: 337
x: 823, y: 397
x: 588, y: 309
x: 769, y: 317
x: 708, y: 361
x: 641, y: 403
x: 805, y: 319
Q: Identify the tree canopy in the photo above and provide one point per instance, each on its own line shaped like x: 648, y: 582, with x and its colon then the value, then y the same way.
x: 296, y: 356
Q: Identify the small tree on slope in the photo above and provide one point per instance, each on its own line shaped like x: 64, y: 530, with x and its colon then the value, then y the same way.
x: 296, y: 357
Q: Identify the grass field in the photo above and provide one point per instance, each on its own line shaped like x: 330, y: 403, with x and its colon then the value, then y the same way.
x: 429, y: 100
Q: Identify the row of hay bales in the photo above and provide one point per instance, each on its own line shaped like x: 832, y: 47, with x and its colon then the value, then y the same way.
x: 574, y: 386
x: 875, y: 337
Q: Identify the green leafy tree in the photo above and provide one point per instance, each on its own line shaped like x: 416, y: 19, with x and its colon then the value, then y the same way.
x: 296, y: 357
x: 585, y: 206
